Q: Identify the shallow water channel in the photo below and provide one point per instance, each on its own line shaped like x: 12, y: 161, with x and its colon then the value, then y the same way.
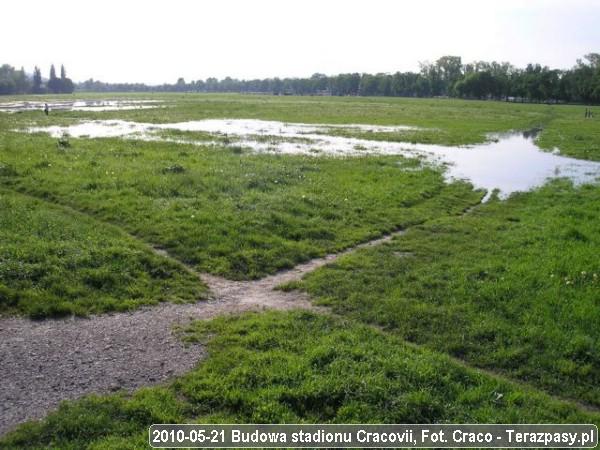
x: 508, y: 162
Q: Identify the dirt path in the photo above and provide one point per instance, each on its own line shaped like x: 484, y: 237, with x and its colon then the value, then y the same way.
x: 43, y: 363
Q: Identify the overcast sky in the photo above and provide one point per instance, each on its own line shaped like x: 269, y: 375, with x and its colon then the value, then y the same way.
x: 156, y: 41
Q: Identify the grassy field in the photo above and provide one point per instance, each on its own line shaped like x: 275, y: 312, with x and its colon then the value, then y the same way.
x: 55, y: 263
x: 234, y: 214
x: 445, y: 121
x: 511, y: 287
x: 297, y: 368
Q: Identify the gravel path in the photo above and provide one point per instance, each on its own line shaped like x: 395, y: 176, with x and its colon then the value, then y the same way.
x: 43, y: 363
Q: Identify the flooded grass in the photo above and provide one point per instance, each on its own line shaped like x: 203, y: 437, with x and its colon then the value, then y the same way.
x: 436, y: 121
x: 77, y: 105
x: 507, y: 163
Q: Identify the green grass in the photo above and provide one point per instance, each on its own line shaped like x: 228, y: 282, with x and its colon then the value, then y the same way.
x: 573, y: 135
x: 55, y: 263
x: 234, y: 214
x: 297, y: 368
x: 509, y: 287
x: 514, y: 286
x: 446, y: 121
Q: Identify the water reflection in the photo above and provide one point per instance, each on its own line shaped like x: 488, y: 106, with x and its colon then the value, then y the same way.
x: 79, y: 105
x: 509, y: 162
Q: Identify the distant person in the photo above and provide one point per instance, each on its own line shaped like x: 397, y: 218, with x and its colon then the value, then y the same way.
x: 47, y: 110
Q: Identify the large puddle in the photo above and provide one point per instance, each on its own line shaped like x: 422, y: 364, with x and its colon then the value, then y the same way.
x: 509, y: 163
x: 79, y: 105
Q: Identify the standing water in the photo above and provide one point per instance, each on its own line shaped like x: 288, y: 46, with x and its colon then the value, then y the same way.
x: 510, y: 162
x: 78, y: 105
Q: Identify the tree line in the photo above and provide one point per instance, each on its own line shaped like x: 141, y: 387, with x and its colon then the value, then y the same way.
x: 13, y: 81
x: 446, y: 77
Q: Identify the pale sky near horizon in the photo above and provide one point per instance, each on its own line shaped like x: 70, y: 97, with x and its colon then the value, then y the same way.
x: 156, y: 41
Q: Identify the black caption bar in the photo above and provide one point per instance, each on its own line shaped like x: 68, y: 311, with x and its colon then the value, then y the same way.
x: 372, y: 436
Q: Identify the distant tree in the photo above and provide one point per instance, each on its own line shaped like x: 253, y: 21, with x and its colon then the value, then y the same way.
x: 447, y: 76
x: 67, y: 86
x: 345, y: 84
x: 22, y: 83
x: 13, y: 81
x: 211, y: 84
x: 62, y: 85
x: 368, y: 84
x: 593, y: 60
x: 180, y: 86
x: 54, y: 84
x: 7, y: 82
x: 384, y: 84
x: 449, y: 70
x: 37, y: 81
x: 479, y: 85
x: 199, y: 85
x: 502, y: 73
x: 423, y: 87
x: 319, y: 82
x: 586, y: 78
x: 277, y: 86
